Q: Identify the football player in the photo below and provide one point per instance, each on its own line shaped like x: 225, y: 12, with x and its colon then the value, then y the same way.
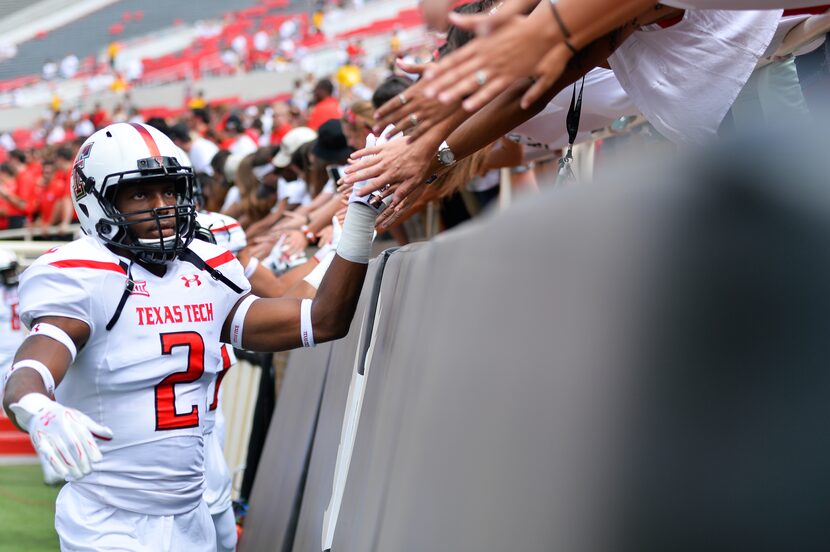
x: 124, y: 324
x: 12, y: 332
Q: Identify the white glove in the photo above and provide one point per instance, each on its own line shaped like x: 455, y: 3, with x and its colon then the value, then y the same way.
x: 50, y: 476
x: 371, y: 200
x: 63, y: 437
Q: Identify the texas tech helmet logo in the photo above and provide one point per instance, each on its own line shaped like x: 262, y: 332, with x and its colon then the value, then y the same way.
x: 83, y: 155
x: 80, y: 161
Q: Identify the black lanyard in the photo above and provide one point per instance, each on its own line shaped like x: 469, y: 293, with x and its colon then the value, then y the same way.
x: 566, y: 174
x: 574, y: 114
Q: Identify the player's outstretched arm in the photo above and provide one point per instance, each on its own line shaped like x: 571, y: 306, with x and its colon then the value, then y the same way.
x: 279, y: 324
x: 63, y: 437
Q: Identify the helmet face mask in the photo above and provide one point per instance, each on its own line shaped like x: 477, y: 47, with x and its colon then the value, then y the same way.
x: 95, y: 197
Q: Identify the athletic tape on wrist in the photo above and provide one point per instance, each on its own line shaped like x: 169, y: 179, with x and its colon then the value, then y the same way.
x: 239, y: 320
x: 37, y: 366
x: 250, y: 268
x: 57, y: 334
x: 306, y: 331
x: 356, y: 242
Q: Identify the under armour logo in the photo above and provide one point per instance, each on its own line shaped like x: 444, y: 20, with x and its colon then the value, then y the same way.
x: 191, y: 280
x: 47, y: 418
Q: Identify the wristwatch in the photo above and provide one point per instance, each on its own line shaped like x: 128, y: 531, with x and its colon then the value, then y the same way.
x: 445, y: 155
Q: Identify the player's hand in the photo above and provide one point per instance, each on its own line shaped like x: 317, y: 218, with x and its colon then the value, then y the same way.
x: 63, y: 437
x: 509, y: 47
x: 396, y: 167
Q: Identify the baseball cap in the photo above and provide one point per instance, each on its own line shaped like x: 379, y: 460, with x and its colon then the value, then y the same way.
x: 233, y: 123
x: 331, y: 142
x: 291, y: 142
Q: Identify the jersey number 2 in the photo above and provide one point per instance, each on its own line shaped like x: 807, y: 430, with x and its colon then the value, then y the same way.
x: 166, y: 416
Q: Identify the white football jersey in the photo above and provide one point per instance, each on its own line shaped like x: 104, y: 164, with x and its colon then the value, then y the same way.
x: 147, y: 379
x: 12, y: 331
x: 226, y: 230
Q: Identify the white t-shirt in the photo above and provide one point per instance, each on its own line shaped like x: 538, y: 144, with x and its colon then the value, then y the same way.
x: 147, y: 379
x: 603, y: 101
x: 296, y: 191
x: 685, y: 78
x: 233, y: 197
x: 243, y: 145
x: 201, y: 154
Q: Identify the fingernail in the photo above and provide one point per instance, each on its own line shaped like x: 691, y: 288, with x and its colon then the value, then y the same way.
x: 429, y: 92
x: 429, y: 73
x: 444, y: 97
x: 468, y: 105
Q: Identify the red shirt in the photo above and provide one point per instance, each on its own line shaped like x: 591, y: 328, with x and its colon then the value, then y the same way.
x: 99, y: 118
x: 279, y: 133
x: 27, y: 187
x: 325, y: 110
x: 57, y: 188
x: 12, y: 187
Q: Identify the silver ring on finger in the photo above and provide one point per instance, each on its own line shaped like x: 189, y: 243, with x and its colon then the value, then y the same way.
x: 413, y: 119
x: 402, y: 99
x: 481, y: 77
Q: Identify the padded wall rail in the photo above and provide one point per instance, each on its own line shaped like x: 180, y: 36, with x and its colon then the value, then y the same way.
x: 647, y: 371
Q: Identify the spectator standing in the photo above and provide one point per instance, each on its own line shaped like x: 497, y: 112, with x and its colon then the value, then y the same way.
x: 239, y: 141
x: 326, y: 106
x: 12, y: 206
x: 12, y: 332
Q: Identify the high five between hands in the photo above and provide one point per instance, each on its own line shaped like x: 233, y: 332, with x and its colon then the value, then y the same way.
x: 509, y: 46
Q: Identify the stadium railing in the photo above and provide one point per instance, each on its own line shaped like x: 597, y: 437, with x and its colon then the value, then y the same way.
x: 597, y: 368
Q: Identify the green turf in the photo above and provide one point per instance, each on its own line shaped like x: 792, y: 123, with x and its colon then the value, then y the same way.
x: 27, y: 511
